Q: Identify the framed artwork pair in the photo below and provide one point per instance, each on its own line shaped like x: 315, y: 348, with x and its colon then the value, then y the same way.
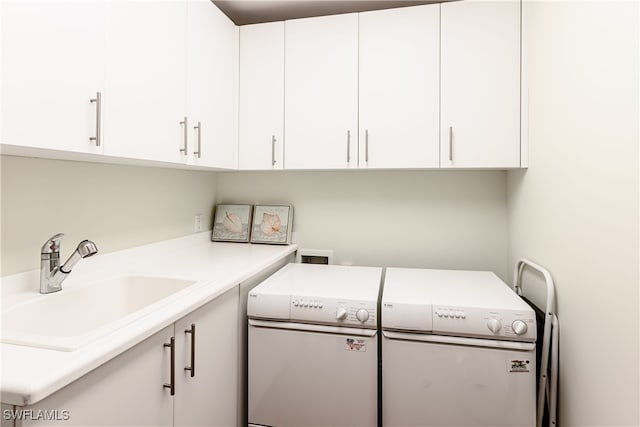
x: 271, y: 224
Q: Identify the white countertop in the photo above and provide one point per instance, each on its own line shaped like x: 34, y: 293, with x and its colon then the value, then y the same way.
x: 30, y: 374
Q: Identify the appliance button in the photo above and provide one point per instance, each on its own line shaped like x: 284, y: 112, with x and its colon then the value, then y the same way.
x: 315, y: 304
x: 464, y: 316
x: 341, y: 313
x: 320, y: 304
x: 457, y: 314
x: 494, y: 325
x: 519, y: 327
x: 446, y: 313
x: 439, y: 313
x: 362, y: 315
x: 295, y: 302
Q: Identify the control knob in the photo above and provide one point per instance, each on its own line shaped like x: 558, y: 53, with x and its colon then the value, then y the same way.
x: 341, y: 313
x: 494, y: 325
x: 519, y: 327
x: 362, y: 315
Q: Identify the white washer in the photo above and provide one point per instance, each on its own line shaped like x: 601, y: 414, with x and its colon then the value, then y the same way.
x: 458, y: 349
x: 313, y: 347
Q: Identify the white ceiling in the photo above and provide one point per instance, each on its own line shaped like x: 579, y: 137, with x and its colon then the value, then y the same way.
x: 244, y: 12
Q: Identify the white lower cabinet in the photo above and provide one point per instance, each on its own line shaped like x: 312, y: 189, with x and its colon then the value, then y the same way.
x: 210, y: 396
x: 132, y: 389
x: 127, y: 390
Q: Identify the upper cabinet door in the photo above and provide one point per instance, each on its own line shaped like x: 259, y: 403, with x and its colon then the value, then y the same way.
x: 399, y: 88
x: 145, y: 99
x: 212, y: 85
x: 480, y: 110
x: 261, y: 107
x: 52, y: 66
x: 321, y: 92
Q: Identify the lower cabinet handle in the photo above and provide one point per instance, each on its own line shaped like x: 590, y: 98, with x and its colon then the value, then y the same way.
x: 348, y: 146
x: 172, y: 384
x: 199, y: 128
x: 192, y: 368
x: 184, y: 136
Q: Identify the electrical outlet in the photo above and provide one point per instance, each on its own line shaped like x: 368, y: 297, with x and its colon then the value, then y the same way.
x: 197, y: 223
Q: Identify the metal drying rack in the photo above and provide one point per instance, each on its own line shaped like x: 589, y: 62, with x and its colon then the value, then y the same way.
x: 548, y: 375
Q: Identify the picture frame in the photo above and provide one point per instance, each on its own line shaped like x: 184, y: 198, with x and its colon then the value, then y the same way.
x: 232, y: 223
x: 272, y: 224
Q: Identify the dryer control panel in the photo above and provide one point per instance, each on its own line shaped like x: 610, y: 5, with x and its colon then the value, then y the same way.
x: 484, y: 322
x: 332, y: 311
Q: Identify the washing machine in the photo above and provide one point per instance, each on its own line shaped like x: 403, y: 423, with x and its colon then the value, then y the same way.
x: 313, y: 347
x: 458, y: 349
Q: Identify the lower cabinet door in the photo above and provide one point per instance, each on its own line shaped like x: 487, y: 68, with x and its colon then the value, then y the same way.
x: 126, y: 391
x: 207, y: 372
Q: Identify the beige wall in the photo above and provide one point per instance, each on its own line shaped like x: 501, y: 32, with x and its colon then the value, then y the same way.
x: 115, y: 206
x: 575, y: 211
x: 431, y: 219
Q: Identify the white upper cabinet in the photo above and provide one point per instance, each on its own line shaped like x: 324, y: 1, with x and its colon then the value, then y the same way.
x: 480, y: 92
x: 399, y: 88
x: 261, y: 104
x: 321, y: 92
x: 145, y: 98
x: 52, y: 66
x: 212, y: 69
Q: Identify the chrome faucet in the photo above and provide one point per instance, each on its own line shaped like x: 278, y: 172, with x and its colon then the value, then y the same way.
x: 51, y: 273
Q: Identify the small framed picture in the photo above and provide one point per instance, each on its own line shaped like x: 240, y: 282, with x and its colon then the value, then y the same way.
x: 272, y: 224
x: 231, y: 223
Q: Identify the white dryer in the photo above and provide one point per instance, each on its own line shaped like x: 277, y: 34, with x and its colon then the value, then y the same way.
x: 313, y: 347
x: 458, y: 349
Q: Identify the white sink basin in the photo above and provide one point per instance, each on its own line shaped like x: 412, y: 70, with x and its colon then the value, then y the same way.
x: 70, y: 318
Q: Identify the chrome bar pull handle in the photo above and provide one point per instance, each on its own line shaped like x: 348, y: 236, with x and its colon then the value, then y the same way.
x: 366, y: 145
x: 199, y: 128
x: 184, y: 136
x: 348, y: 146
x: 450, y: 143
x: 98, y: 101
x: 273, y: 150
x: 192, y: 368
x: 172, y: 381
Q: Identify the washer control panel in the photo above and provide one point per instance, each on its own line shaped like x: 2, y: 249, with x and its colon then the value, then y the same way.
x: 481, y: 322
x: 334, y: 311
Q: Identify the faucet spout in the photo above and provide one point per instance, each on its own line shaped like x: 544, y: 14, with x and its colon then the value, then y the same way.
x: 51, y: 273
x: 85, y: 249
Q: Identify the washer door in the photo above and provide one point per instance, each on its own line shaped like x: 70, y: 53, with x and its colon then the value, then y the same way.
x: 303, y: 378
x: 462, y: 382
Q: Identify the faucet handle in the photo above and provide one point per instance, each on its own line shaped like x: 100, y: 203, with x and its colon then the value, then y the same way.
x: 53, y: 244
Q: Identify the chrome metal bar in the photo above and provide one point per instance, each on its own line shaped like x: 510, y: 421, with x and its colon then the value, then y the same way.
x: 192, y: 368
x: 185, y: 136
x: 98, y: 101
x: 366, y: 145
x: 450, y: 143
x: 172, y: 384
x: 273, y: 150
x: 199, y: 128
